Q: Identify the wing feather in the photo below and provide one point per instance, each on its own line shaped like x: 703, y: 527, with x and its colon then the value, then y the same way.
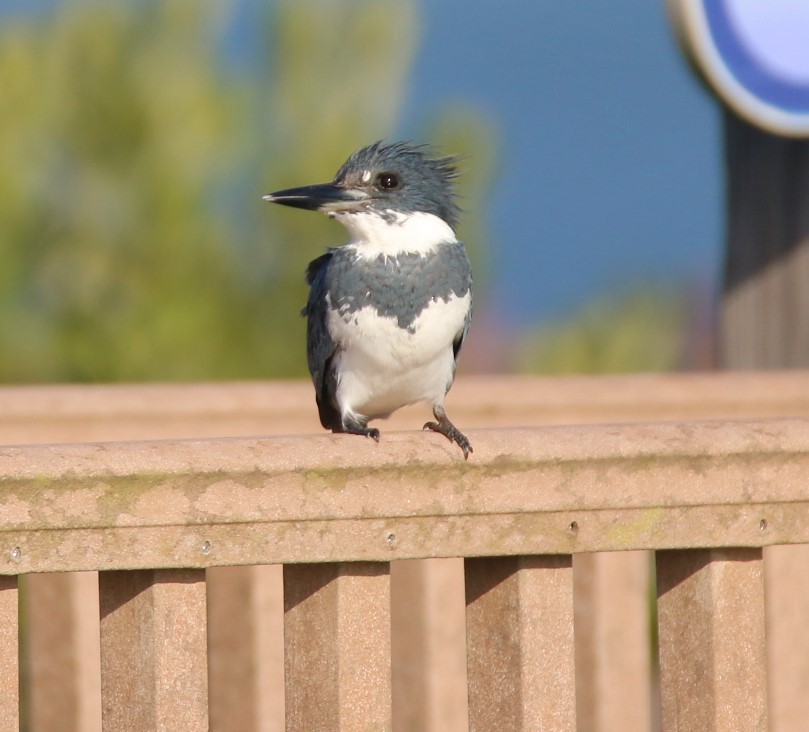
x: 320, y: 347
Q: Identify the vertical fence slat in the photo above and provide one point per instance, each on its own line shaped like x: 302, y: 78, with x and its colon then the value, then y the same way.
x: 785, y: 570
x: 246, y: 648
x: 9, y: 656
x: 337, y: 646
x: 712, y: 646
x: 428, y: 621
x: 613, y: 647
x: 63, y: 672
x: 153, y: 650
x: 519, y: 622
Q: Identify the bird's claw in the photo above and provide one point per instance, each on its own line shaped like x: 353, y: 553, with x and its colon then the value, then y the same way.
x: 355, y: 427
x: 452, y: 433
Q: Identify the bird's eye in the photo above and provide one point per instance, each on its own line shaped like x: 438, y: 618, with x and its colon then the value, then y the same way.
x: 387, y: 180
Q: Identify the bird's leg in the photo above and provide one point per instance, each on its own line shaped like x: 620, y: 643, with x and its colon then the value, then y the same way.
x: 353, y: 424
x: 449, y: 430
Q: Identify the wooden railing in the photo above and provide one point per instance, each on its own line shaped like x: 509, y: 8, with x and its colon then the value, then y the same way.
x: 544, y: 529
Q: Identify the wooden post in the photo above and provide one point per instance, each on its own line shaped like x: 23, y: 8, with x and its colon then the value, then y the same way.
x: 765, y: 324
x: 712, y: 651
x: 154, y: 671
x: 9, y: 656
x: 519, y: 624
x: 337, y: 646
x: 63, y: 663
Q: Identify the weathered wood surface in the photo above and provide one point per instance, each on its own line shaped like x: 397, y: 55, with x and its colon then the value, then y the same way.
x: 713, y: 666
x: 556, y: 490
x: 337, y: 652
x: 431, y: 696
x: 154, y: 659
x: 9, y: 656
x: 519, y: 628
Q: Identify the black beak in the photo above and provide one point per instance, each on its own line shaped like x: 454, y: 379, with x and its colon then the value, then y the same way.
x: 326, y: 197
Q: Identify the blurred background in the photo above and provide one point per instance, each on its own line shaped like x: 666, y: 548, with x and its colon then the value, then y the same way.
x: 137, y: 138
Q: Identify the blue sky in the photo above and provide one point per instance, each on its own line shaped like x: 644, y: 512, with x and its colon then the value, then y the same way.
x: 610, y: 151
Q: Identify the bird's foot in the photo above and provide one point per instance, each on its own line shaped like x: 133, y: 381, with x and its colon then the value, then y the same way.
x: 356, y: 427
x: 371, y: 432
x: 450, y: 431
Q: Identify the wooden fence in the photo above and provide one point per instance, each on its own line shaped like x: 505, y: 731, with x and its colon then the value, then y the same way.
x: 409, y: 576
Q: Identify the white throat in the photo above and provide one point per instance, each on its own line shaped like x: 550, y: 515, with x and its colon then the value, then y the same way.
x: 372, y: 235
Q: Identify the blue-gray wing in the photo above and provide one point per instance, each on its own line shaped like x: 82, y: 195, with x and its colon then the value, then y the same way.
x: 320, y: 347
x: 465, y: 272
x: 461, y: 337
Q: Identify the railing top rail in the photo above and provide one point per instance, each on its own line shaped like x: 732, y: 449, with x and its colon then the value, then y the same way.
x: 735, y: 391
x: 200, y: 503
x: 79, y: 413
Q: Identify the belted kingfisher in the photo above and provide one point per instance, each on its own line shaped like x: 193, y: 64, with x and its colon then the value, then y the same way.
x: 387, y: 312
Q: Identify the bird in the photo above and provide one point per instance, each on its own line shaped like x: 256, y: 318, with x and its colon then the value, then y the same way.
x: 388, y: 311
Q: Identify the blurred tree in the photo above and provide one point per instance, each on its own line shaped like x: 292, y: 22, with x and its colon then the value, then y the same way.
x: 132, y: 160
x: 114, y: 133
x: 642, y: 330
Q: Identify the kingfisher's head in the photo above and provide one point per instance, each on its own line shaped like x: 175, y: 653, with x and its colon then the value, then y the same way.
x: 388, y: 180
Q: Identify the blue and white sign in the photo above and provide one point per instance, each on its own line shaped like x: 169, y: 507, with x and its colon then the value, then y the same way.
x: 755, y: 56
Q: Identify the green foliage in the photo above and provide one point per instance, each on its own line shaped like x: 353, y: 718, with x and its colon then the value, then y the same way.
x: 114, y: 133
x: 134, y: 241
x: 641, y: 330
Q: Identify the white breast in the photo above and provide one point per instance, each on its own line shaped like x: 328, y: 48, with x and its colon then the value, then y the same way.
x: 383, y: 367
